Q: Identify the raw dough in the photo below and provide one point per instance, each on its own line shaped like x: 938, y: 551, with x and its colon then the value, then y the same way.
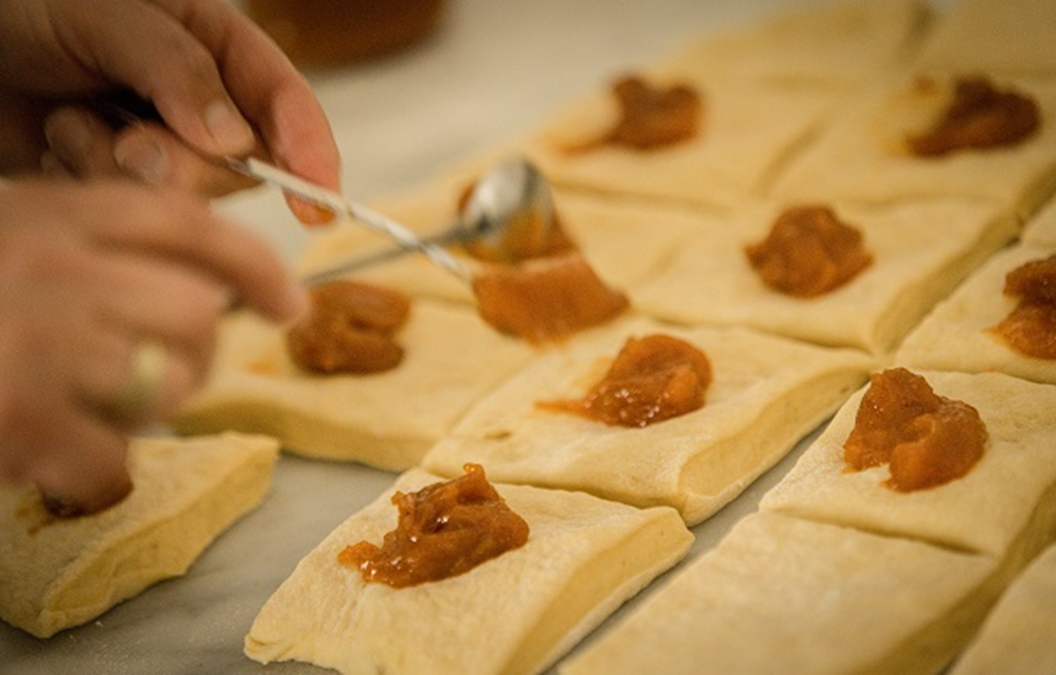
x: 781, y: 595
x: 56, y: 574
x: 921, y: 250
x: 516, y: 613
x: 767, y: 393
x: 387, y: 420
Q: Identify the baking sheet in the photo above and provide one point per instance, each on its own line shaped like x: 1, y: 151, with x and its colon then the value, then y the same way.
x: 495, y: 69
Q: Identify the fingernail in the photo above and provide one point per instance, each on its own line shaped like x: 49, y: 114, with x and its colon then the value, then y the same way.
x: 143, y: 158
x: 227, y: 127
x: 67, y: 130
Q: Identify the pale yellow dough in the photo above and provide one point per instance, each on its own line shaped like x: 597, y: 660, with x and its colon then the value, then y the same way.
x: 825, y: 44
x: 625, y: 240
x: 956, y: 335
x: 781, y: 595
x: 1010, y: 36
x: 1041, y: 229
x: 747, y: 130
x: 767, y: 393
x: 862, y: 154
x: 387, y: 420
x: 1018, y: 637
x: 56, y: 574
x: 920, y: 249
x: 1005, y: 507
x: 514, y: 614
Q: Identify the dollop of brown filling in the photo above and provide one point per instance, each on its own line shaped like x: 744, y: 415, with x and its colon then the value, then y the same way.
x: 1030, y: 328
x: 445, y: 529
x: 926, y: 439
x: 652, y: 379
x: 350, y: 328
x: 650, y: 116
x: 979, y: 116
x: 809, y: 252
x: 546, y: 299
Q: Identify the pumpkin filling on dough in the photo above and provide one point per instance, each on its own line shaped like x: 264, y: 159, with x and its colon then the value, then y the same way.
x: 444, y: 530
x: 652, y: 379
x: 809, y: 252
x: 1030, y: 328
x: 926, y: 439
x: 978, y: 117
x: 350, y: 328
x: 651, y: 117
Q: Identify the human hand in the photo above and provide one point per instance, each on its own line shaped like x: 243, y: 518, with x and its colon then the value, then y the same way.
x: 222, y: 88
x: 92, y: 279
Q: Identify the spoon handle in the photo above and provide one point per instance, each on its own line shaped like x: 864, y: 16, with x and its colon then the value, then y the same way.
x: 370, y: 259
x: 328, y: 199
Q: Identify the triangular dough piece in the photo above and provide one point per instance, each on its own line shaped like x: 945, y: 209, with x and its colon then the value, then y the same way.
x: 955, y: 335
x: 920, y: 250
x: 767, y: 393
x: 841, y: 42
x: 1018, y: 637
x: 626, y: 241
x: 781, y: 595
x: 1003, y: 507
x: 387, y: 420
x: 516, y: 613
x: 862, y: 155
x: 1010, y: 36
x: 56, y: 574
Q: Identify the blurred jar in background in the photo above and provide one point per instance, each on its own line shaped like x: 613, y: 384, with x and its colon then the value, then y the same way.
x: 323, y: 33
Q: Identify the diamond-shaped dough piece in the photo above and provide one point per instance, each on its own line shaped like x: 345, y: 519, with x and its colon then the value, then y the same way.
x: 626, y: 241
x: 766, y: 394
x: 781, y: 595
x: 1011, y: 36
x: 862, y: 155
x: 56, y: 574
x: 955, y: 335
x: 386, y: 420
x: 1018, y: 637
x: 1003, y: 507
x: 920, y: 250
x: 516, y: 613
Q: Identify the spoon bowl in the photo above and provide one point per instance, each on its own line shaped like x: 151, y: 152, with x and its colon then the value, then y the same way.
x: 507, y: 216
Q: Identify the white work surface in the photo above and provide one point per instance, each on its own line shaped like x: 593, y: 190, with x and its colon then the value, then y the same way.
x: 493, y: 70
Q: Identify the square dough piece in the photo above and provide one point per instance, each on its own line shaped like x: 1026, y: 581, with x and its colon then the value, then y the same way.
x: 1010, y: 36
x: 781, y: 595
x: 921, y: 250
x: 748, y: 129
x: 862, y: 155
x: 386, y: 420
x: 1003, y: 507
x: 516, y: 613
x: 766, y: 394
x: 841, y: 42
x: 955, y: 336
x: 1018, y: 637
x: 56, y: 574
x: 625, y: 240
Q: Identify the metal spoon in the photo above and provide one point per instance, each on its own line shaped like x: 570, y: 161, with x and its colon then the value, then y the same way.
x: 510, y: 209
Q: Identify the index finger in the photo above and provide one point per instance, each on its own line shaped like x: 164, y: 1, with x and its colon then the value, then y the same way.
x: 266, y: 87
